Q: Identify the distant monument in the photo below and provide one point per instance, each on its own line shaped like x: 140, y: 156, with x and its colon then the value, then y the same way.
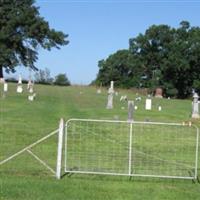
x: 30, y: 86
x: 159, y: 93
x: 110, y: 95
x: 195, y: 106
x: 19, y: 85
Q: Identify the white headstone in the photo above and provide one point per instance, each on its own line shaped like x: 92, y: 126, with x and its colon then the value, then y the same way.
x: 159, y: 108
x: 112, y: 85
x: 20, y: 79
x: 32, y: 97
x: 148, y: 104
x: 31, y: 90
x: 123, y: 98
x: 99, y: 91
x: 29, y: 84
x: 5, y: 87
x: 19, y: 89
x: 138, y: 98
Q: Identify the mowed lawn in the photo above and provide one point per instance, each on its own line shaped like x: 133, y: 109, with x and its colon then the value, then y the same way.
x: 23, y: 122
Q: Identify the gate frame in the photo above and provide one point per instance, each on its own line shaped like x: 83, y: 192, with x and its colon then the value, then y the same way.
x: 130, y: 149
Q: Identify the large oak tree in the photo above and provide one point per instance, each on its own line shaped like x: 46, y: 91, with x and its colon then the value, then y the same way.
x: 22, y: 32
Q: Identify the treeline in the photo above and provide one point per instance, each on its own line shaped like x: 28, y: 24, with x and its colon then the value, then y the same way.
x: 161, y: 57
x: 44, y: 77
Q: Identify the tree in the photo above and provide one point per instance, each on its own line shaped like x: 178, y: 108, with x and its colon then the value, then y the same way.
x: 161, y: 57
x: 170, y: 58
x: 120, y: 68
x: 22, y: 32
x: 62, y: 80
x: 43, y: 76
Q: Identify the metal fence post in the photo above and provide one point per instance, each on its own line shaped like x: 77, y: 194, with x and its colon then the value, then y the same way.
x: 60, y: 144
x: 130, y: 149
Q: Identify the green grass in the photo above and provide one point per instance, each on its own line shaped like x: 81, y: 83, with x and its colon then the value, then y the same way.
x: 23, y: 122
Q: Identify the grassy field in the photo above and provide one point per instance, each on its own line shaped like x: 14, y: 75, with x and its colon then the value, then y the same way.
x: 23, y: 122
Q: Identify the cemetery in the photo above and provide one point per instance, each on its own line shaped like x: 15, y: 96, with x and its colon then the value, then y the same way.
x: 37, y: 119
x: 132, y: 132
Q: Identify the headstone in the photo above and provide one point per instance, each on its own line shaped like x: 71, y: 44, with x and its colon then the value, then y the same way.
x: 20, y: 79
x: 112, y: 85
x: 130, y: 110
x: 99, y: 91
x: 31, y: 97
x: 148, y: 104
x: 159, y: 93
x: 28, y: 84
x: 195, y: 107
x: 123, y: 98
x: 159, y: 108
x: 31, y: 89
x: 19, y: 89
x: 110, y: 96
x: 5, y: 87
x: 19, y: 85
x: 138, y: 98
x: 116, y: 93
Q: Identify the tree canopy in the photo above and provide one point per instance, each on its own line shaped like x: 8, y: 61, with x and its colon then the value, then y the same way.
x: 161, y: 57
x: 22, y: 32
x: 62, y: 80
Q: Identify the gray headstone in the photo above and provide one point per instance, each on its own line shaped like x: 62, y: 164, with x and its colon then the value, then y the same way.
x: 110, y: 96
x: 110, y: 101
x: 195, y: 106
x: 130, y: 110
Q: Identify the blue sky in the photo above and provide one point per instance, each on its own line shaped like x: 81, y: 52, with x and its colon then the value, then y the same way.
x: 99, y: 28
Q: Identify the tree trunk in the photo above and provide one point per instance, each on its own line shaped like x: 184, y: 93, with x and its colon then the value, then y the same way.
x: 1, y: 72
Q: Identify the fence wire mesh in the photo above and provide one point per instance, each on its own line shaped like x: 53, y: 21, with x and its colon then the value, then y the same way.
x: 131, y: 148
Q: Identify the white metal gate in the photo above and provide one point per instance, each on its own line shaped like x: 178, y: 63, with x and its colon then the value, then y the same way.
x: 150, y: 149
